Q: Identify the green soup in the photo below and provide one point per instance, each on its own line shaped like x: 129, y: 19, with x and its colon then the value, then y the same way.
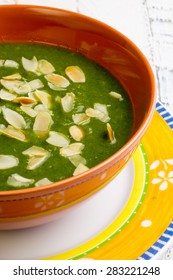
x: 60, y: 114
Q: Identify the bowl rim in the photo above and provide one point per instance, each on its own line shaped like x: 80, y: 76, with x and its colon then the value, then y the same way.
x: 125, y: 149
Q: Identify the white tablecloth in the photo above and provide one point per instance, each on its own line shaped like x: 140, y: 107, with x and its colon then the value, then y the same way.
x: 148, y: 23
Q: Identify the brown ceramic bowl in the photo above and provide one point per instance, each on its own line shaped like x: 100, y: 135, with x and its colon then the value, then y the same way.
x: 112, y: 50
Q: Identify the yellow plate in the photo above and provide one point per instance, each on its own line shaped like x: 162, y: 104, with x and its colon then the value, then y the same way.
x: 139, y: 206
x: 146, y: 231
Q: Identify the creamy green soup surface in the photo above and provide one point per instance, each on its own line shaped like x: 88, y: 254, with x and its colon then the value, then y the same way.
x: 60, y: 115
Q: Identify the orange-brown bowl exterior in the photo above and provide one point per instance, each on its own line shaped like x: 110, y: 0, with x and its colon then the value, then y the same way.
x: 109, y: 48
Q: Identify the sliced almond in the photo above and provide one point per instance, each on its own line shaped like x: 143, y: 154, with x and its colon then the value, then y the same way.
x: 56, y: 88
x: 35, y: 84
x: 57, y: 80
x: 29, y: 111
x: 45, y: 67
x: 42, y: 108
x: 102, y: 108
x: 57, y: 139
x: 13, y: 118
x: 77, y: 159
x: 8, y: 161
x: 75, y: 74
x: 72, y: 149
x: 10, y: 84
x: 6, y: 95
x: 16, y: 180
x: 23, y: 100
x: 76, y: 132
x: 44, y: 98
x: 22, y: 88
x: 42, y: 124
x: 35, y: 162
x: 116, y: 95
x: 80, y: 169
x: 11, y: 63
x: 43, y: 182
x: 67, y: 102
x: 30, y: 65
x: 93, y: 113
x: 111, y: 134
x: 12, y: 77
x: 12, y: 132
x: 81, y: 118
x: 35, y: 151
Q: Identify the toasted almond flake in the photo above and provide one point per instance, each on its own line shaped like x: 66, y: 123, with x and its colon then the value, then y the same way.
x: 77, y: 159
x: 44, y: 98
x: 43, y: 182
x: 54, y: 87
x: 45, y: 67
x: 76, y: 132
x: 12, y: 132
x: 11, y: 63
x: 102, y: 108
x: 13, y: 118
x: 35, y: 162
x: 30, y: 65
x: 29, y: 111
x: 93, y: 113
x: 57, y: 139
x: 72, y: 149
x: 75, y: 74
x: 67, y: 102
x: 42, y: 108
x: 12, y: 77
x: 111, y: 134
x: 22, y: 88
x: 2, y: 62
x: 23, y: 100
x: 35, y: 151
x: 8, y: 161
x: 16, y: 180
x: 42, y: 124
x: 81, y: 118
x: 35, y: 84
x: 57, y: 80
x: 80, y: 169
x: 116, y: 95
x: 6, y: 95
x: 10, y: 85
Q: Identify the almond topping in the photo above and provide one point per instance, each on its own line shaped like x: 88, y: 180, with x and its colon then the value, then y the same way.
x: 80, y: 169
x: 42, y: 124
x: 81, y: 118
x: 72, y: 149
x: 57, y: 80
x: 6, y: 95
x: 75, y: 74
x: 116, y: 95
x: 76, y: 132
x: 111, y: 134
x: 30, y: 65
x: 13, y: 118
x: 68, y: 102
x: 45, y: 67
x: 16, y: 180
x: 8, y: 161
x: 12, y: 132
x: 57, y: 139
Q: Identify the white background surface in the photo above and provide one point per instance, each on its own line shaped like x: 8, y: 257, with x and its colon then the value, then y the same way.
x: 148, y: 23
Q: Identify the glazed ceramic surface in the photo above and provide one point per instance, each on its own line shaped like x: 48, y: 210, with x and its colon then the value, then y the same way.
x: 116, y: 53
x: 135, y: 224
